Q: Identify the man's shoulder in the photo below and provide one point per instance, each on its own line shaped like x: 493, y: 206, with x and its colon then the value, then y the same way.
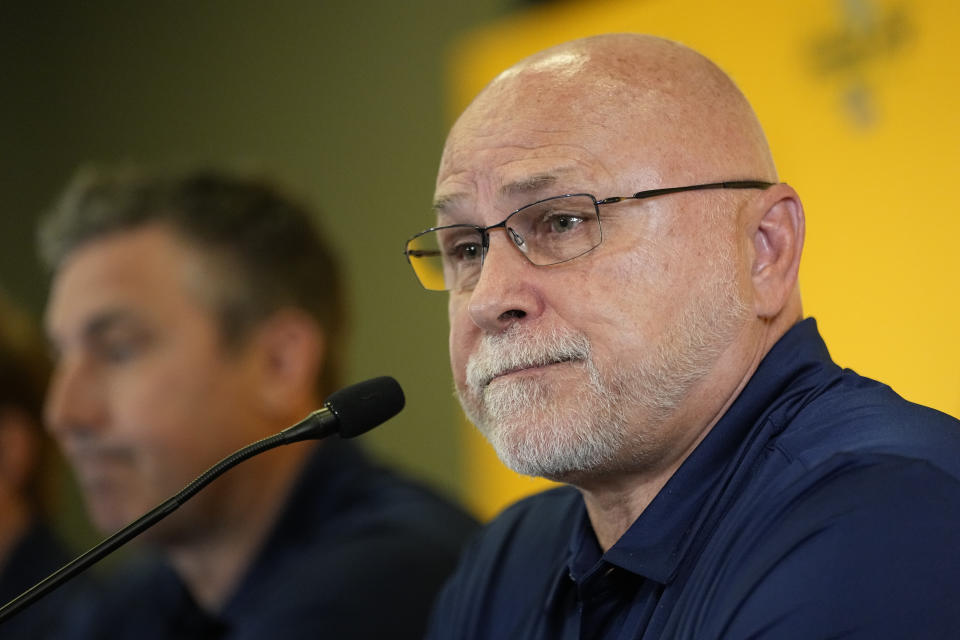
x: 382, y: 526
x: 857, y: 415
x: 389, y: 506
x: 343, y: 497
x: 864, y: 544
x: 851, y: 512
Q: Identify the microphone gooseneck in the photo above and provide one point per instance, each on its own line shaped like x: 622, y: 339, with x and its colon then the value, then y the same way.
x: 349, y: 412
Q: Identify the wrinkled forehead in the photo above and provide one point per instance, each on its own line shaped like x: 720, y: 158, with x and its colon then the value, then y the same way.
x: 538, y: 135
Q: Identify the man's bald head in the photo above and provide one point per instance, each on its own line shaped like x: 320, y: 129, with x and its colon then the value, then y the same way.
x: 658, y: 104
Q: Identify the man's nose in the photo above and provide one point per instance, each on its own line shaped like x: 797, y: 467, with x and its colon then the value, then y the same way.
x: 74, y: 400
x: 507, y: 290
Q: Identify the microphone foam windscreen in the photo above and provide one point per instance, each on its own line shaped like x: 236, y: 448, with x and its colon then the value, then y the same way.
x: 362, y: 406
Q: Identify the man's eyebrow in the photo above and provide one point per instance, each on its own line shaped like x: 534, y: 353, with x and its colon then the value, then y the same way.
x: 103, y: 322
x: 443, y: 203
x: 531, y: 184
x: 93, y: 329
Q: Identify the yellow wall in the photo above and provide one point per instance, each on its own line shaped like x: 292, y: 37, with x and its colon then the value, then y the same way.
x: 860, y: 100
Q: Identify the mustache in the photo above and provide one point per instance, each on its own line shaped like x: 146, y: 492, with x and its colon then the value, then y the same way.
x: 91, y: 450
x: 517, y: 349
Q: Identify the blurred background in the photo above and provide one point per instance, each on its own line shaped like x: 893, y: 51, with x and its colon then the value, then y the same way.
x: 347, y: 103
x: 343, y: 102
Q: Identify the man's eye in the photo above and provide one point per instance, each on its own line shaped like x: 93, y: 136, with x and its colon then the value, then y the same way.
x: 464, y: 252
x: 558, y: 222
x: 117, y: 352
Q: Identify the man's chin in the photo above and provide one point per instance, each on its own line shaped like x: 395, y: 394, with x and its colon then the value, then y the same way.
x: 529, y: 448
x: 108, y: 520
x: 110, y: 510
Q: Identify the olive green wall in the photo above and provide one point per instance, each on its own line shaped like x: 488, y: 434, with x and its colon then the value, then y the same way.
x: 343, y: 101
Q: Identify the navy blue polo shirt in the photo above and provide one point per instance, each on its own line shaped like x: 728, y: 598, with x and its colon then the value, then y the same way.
x: 358, y: 552
x: 821, y: 505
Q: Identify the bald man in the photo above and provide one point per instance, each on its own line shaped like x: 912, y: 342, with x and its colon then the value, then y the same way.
x: 621, y: 260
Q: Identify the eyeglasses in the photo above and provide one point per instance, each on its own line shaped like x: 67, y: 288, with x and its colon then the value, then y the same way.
x: 547, y: 232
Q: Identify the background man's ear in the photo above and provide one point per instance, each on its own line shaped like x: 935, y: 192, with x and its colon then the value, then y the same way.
x: 291, y: 349
x: 778, y: 229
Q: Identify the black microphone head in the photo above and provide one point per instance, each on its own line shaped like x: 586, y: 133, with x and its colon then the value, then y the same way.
x: 362, y: 406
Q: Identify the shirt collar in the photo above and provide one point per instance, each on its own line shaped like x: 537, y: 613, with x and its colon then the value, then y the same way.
x: 660, y: 538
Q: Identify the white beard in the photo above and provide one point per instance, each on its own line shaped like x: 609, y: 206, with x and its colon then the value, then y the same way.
x: 605, y: 421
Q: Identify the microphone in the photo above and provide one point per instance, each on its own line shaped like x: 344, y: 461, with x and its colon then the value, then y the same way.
x: 349, y: 412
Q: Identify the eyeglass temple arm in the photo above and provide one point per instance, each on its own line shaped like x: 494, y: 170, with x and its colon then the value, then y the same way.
x: 652, y: 193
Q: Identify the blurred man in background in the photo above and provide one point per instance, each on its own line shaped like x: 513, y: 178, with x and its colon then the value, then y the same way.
x: 622, y: 264
x: 29, y: 550
x: 192, y: 315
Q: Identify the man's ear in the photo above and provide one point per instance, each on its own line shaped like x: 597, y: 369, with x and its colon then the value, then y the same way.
x: 777, y: 227
x: 291, y: 349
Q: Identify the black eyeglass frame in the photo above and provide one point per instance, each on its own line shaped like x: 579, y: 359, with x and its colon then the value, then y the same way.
x: 640, y: 195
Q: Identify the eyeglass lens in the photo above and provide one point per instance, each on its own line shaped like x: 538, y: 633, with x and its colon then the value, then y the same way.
x: 546, y: 232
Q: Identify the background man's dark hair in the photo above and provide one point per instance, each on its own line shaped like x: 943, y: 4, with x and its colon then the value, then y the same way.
x: 263, y: 247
